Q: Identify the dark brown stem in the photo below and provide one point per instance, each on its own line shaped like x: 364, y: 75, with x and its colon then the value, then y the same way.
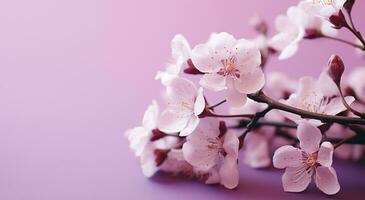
x: 262, y: 98
x: 244, y: 122
x: 343, y: 41
x: 253, y: 123
x: 218, y: 104
x: 229, y: 116
x: 348, y: 107
x: 357, y: 34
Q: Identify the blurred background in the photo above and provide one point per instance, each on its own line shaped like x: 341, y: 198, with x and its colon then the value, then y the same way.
x: 75, y: 74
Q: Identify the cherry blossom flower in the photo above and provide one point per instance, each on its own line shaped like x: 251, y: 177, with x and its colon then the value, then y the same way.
x: 345, y: 151
x: 231, y: 65
x: 309, y: 160
x: 318, y: 96
x: 180, y: 53
x: 294, y: 26
x: 208, y: 151
x: 140, y: 141
x: 185, y: 103
x: 326, y: 8
x: 357, y: 83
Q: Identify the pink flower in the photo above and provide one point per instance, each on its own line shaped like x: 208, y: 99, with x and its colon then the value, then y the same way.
x: 318, y: 96
x: 180, y: 53
x: 231, y: 65
x: 140, y: 141
x: 357, y: 82
x: 310, y: 159
x: 294, y: 26
x: 208, y: 151
x: 326, y: 8
x: 345, y: 151
x: 185, y: 103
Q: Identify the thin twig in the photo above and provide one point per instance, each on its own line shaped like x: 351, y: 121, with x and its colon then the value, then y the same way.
x: 218, y: 104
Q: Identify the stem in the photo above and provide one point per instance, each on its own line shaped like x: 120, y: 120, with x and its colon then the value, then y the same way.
x: 218, y: 104
x: 348, y: 107
x: 343, y: 41
x: 357, y: 35
x: 243, y: 124
x: 253, y: 123
x: 262, y: 98
x: 344, y: 141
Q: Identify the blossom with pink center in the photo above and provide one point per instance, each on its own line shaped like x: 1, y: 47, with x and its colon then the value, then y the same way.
x: 345, y: 151
x: 318, y: 96
x: 357, y: 82
x: 309, y: 160
x: 180, y: 53
x: 184, y: 103
x: 326, y: 8
x: 140, y: 141
x: 208, y: 151
x: 294, y: 26
x: 231, y: 65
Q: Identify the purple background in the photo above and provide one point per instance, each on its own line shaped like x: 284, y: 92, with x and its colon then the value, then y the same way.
x: 74, y: 74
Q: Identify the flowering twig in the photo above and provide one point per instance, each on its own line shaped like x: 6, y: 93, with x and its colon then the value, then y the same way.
x: 262, y: 98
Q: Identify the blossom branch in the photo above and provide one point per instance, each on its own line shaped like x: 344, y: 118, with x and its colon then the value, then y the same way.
x: 218, y: 104
x: 262, y: 98
x: 343, y: 41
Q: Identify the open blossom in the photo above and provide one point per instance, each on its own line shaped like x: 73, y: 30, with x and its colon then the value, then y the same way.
x: 357, y: 82
x: 231, y: 65
x: 318, y: 96
x: 180, y: 53
x: 309, y: 160
x: 345, y: 151
x: 326, y: 8
x: 184, y: 103
x: 149, y: 151
x: 211, y: 150
x: 294, y: 26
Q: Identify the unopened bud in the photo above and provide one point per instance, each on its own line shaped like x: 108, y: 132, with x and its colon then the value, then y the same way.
x: 338, y: 21
x: 336, y: 68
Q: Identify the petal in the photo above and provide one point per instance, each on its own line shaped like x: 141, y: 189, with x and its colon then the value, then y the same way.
x: 180, y: 48
x: 296, y: 179
x: 190, y: 127
x: 309, y: 137
x: 289, y: 51
x: 326, y: 180
x: 148, y: 163
x: 181, y: 90
x: 150, y: 117
x: 256, y: 150
x: 325, y: 154
x: 205, y: 59
x: 287, y: 156
x: 138, y: 139
x: 231, y: 144
x: 213, y: 82
x: 233, y: 96
x: 172, y: 122
x: 327, y: 85
x: 213, y: 177
x: 336, y: 106
x: 248, y: 55
x: 251, y: 82
x: 229, y: 172
x: 199, y: 105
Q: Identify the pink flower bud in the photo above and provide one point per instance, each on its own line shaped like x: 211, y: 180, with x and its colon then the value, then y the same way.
x: 336, y: 68
x: 338, y: 21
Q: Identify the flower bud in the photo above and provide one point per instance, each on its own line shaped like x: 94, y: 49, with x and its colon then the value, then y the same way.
x: 338, y: 21
x: 259, y: 24
x: 336, y: 68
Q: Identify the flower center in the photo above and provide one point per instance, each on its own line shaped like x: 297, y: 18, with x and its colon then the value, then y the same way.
x: 314, y: 103
x: 229, y: 68
x: 324, y: 2
x: 185, y: 105
x: 310, y: 160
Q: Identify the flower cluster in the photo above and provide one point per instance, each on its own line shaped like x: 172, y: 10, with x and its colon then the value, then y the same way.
x: 271, y: 119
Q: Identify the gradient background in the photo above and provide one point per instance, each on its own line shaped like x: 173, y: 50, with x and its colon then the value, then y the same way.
x: 74, y: 74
